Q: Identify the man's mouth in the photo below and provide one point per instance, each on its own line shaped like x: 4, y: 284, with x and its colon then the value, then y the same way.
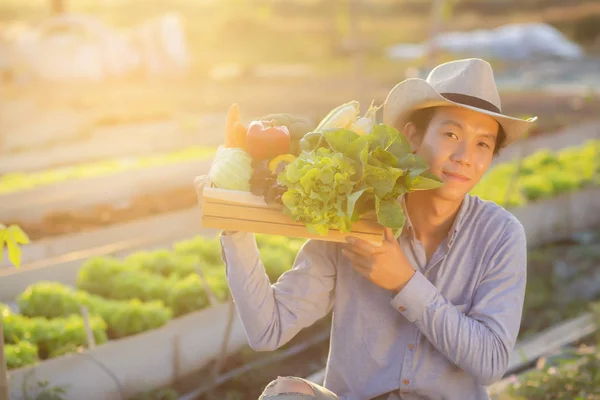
x: 456, y: 177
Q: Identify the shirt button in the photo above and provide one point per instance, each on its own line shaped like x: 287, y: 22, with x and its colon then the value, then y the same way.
x: 406, y: 381
x: 401, y: 308
x: 411, y: 346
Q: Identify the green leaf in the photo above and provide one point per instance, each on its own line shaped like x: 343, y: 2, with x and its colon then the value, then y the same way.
x: 382, y: 180
x: 384, y: 157
x: 423, y: 181
x: 413, y: 162
x: 17, y: 234
x: 340, y: 139
x: 399, y: 147
x: 390, y: 214
x: 353, y: 199
x: 349, y: 143
x: 14, y: 252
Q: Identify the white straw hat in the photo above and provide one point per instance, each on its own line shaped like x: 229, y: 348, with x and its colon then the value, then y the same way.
x: 467, y: 83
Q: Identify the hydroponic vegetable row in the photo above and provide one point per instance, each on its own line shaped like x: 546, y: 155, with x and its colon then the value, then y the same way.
x: 139, y: 293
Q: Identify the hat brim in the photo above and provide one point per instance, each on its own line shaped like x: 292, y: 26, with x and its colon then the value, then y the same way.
x: 414, y: 94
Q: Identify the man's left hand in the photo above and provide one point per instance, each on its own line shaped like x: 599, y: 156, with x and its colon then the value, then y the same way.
x: 385, y: 265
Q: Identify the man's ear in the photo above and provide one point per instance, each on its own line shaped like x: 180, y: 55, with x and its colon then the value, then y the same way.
x: 411, y: 133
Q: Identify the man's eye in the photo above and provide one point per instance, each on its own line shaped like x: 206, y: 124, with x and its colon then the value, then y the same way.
x: 484, y: 144
x: 450, y: 134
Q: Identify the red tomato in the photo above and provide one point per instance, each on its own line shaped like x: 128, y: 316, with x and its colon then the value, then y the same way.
x: 265, y: 140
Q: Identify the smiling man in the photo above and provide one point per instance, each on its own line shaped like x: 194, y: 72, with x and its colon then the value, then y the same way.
x: 432, y: 315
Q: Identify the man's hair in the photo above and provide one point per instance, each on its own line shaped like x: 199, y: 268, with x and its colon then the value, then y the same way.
x: 422, y: 117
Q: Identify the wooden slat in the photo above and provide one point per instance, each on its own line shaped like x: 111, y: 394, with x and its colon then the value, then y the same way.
x: 290, y: 230
x: 242, y: 211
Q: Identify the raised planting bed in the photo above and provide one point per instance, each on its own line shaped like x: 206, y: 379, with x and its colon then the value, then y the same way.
x: 166, y: 294
x: 102, y: 142
x: 103, y: 187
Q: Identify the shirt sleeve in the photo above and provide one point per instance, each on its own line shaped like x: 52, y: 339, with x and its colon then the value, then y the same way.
x: 480, y: 342
x: 273, y: 314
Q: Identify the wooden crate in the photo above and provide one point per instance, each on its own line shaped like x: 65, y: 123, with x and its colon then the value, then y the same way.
x: 242, y: 211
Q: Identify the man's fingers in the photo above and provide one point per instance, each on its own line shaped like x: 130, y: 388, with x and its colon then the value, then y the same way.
x: 365, y: 247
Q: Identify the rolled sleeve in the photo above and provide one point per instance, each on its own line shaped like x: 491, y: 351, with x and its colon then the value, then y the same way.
x: 414, y: 299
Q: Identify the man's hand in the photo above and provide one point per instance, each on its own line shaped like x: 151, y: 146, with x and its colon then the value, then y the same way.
x: 385, y: 265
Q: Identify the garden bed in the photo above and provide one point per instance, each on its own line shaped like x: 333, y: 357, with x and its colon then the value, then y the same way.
x: 154, y: 308
x: 103, y: 195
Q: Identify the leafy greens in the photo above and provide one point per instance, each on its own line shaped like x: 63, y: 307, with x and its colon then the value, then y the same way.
x: 341, y: 176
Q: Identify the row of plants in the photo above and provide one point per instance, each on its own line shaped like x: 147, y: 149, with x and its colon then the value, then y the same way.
x: 18, y: 181
x: 126, y: 296
x: 541, y: 175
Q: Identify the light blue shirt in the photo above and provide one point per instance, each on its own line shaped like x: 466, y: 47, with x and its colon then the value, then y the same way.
x: 446, y: 335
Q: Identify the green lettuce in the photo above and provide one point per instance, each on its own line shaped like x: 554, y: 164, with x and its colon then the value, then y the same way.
x: 341, y: 176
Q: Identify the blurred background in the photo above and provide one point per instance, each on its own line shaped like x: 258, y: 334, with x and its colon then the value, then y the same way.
x: 110, y: 108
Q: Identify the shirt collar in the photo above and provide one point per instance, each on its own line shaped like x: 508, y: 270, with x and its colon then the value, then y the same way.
x: 458, y: 222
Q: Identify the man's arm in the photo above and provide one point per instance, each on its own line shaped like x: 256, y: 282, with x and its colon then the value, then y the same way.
x: 273, y: 314
x: 482, y: 341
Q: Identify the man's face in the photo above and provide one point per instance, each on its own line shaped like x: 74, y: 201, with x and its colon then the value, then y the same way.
x: 459, y: 146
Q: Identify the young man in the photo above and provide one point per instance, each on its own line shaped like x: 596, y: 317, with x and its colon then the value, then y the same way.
x: 432, y: 315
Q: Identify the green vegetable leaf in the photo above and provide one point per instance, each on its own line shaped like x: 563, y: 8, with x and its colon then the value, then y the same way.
x: 422, y: 181
x: 340, y: 139
x: 382, y: 180
x: 353, y: 199
x: 412, y: 162
x: 399, y: 146
x: 390, y: 213
x: 349, y: 143
x: 384, y: 157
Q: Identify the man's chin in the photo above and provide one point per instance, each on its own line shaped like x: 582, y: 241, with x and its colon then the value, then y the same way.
x: 449, y: 193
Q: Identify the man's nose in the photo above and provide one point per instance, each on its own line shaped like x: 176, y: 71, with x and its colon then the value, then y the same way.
x: 462, y: 153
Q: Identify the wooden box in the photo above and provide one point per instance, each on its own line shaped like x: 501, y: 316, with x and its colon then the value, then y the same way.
x: 242, y: 211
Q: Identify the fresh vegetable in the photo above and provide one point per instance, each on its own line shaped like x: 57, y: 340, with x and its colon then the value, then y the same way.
x: 264, y: 182
x: 266, y: 139
x: 343, y: 116
x: 318, y: 185
x: 233, y: 117
x: 297, y: 126
x: 365, y: 124
x: 231, y: 169
x: 345, y: 175
x: 239, y: 132
x: 284, y: 158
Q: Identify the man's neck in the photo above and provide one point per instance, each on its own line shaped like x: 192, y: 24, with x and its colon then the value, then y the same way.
x: 430, y: 215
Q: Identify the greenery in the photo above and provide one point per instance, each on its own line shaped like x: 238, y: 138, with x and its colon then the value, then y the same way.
x: 575, y: 379
x: 124, y: 297
x: 542, y: 175
x: 13, y: 237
